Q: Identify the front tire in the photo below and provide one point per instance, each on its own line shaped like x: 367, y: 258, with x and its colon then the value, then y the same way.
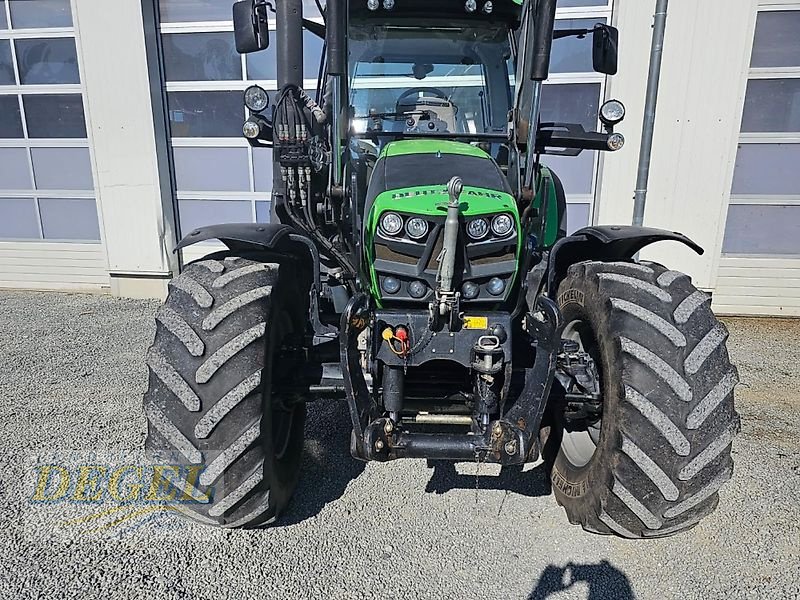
x: 654, y: 463
x: 210, y: 409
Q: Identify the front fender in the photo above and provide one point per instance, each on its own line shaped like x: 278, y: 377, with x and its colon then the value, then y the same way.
x: 605, y: 243
x: 277, y: 237
x: 240, y: 236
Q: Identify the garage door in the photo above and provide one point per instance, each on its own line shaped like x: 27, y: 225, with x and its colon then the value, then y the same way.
x: 50, y: 235
x: 760, y: 266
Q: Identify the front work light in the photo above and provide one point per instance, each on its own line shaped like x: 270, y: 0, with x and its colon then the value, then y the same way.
x: 615, y: 141
x: 251, y: 130
x: 256, y: 99
x: 612, y: 112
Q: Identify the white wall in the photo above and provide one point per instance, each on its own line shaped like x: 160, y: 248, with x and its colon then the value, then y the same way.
x: 121, y: 127
x: 704, y: 71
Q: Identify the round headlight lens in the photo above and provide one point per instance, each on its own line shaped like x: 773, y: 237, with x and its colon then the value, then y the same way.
x: 612, y: 112
x: 470, y: 290
x: 417, y: 289
x: 502, y: 225
x: 256, y: 99
x: 478, y: 228
x: 496, y: 286
x: 616, y: 141
x: 250, y: 129
x: 416, y: 228
x: 391, y: 285
x: 391, y: 223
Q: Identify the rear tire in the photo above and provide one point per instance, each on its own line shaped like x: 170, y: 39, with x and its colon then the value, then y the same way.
x: 209, y: 407
x: 668, y: 419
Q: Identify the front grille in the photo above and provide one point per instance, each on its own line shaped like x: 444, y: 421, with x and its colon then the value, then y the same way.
x: 385, y: 253
x: 494, y: 257
x: 433, y: 263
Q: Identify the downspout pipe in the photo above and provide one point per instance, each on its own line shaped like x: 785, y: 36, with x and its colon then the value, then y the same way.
x: 651, y: 102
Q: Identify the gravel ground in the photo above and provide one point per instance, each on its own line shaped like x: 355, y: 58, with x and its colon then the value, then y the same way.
x: 72, y: 378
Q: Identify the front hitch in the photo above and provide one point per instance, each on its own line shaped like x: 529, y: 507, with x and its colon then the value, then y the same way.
x: 512, y: 439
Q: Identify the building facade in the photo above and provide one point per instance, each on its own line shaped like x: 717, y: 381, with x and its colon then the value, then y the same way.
x: 120, y: 128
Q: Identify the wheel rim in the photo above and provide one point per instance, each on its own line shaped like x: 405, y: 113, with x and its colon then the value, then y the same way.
x: 580, y: 443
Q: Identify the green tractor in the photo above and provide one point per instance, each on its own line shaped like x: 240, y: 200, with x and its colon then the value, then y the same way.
x: 417, y: 264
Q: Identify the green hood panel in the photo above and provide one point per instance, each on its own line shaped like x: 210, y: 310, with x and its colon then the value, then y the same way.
x: 432, y: 201
x: 432, y: 146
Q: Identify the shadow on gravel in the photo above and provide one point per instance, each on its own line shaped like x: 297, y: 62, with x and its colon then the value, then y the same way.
x: 603, y: 579
x: 327, y: 466
x: 511, y: 479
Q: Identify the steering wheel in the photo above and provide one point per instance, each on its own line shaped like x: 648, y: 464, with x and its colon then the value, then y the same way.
x: 437, y: 93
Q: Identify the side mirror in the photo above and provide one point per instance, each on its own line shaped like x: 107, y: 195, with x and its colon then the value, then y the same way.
x: 605, y: 49
x: 250, y: 28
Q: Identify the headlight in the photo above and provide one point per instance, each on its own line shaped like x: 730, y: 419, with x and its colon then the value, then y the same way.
x: 496, y: 286
x: 612, y: 112
x: 256, y: 99
x: 502, y: 225
x: 391, y: 223
x: 417, y: 289
x: 391, y: 285
x: 416, y: 228
x: 478, y: 228
x: 616, y: 141
x: 470, y: 290
x: 251, y: 130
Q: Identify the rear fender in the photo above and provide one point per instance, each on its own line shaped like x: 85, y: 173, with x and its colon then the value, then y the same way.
x: 605, y: 243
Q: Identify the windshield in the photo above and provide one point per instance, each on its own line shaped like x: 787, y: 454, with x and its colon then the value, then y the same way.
x: 451, y: 79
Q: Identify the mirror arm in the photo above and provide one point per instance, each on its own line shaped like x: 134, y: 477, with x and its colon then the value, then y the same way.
x: 564, y: 33
x: 318, y: 29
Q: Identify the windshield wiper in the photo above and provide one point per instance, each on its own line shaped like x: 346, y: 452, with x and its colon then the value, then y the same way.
x: 387, y: 115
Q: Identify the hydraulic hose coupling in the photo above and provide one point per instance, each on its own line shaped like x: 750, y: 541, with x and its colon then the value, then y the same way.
x: 450, y: 245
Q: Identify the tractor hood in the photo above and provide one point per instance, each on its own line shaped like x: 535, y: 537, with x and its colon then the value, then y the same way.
x: 412, y: 176
x: 409, y: 181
